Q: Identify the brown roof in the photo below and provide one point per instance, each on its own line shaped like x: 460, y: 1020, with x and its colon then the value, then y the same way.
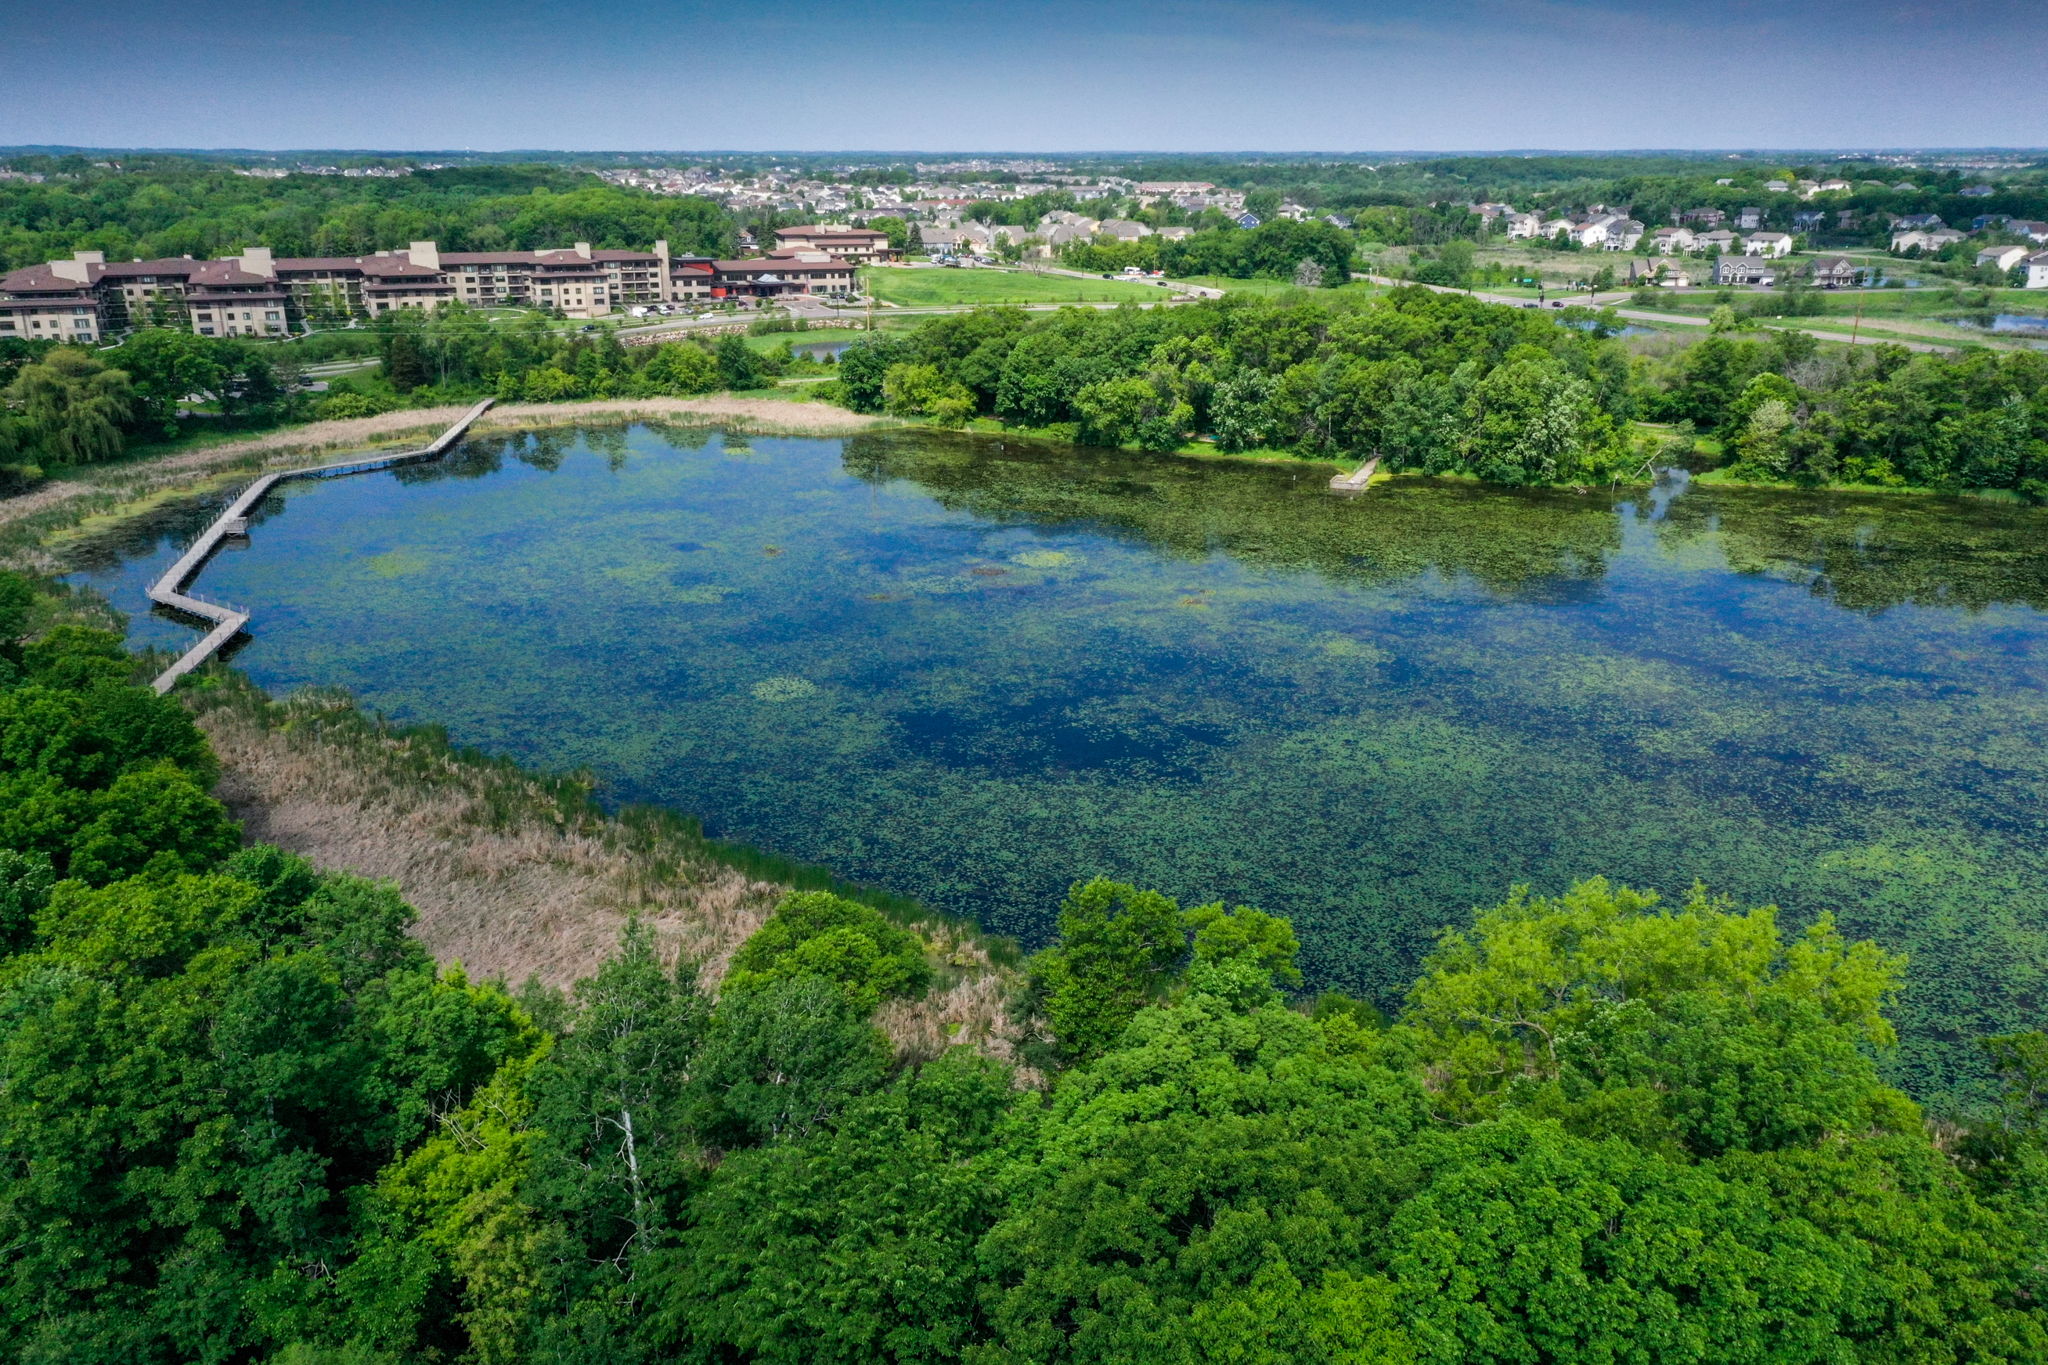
x: 828, y: 232
x: 41, y: 277
x: 204, y: 296
x: 219, y: 274
x: 172, y: 265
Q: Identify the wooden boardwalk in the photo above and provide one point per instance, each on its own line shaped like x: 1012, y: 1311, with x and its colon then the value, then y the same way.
x: 1358, y: 480
x: 228, y: 622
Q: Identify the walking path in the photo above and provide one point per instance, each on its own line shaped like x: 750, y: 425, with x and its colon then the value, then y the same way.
x: 229, y: 622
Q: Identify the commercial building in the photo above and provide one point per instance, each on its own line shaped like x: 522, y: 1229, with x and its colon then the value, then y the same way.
x: 860, y: 245
x: 88, y: 298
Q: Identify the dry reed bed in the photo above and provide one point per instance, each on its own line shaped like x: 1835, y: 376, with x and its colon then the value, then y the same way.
x: 513, y: 875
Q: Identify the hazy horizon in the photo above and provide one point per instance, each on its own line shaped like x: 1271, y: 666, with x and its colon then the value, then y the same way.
x: 1221, y: 76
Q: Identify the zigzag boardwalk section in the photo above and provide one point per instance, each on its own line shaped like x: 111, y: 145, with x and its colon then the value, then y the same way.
x: 228, y: 622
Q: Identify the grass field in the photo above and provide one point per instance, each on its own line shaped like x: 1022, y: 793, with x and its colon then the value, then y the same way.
x: 1267, y: 287
x: 941, y: 286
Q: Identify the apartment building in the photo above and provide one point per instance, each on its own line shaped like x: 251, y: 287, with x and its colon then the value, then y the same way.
x: 87, y: 299
x: 861, y: 245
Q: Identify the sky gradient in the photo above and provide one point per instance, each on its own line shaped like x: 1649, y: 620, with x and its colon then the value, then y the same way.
x: 1060, y: 75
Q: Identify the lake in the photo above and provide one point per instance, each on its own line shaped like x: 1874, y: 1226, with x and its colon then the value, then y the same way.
x: 971, y: 670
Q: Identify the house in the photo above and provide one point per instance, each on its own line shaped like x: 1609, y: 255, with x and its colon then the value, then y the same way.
x: 1706, y: 218
x: 1669, y: 241
x: 1771, y: 244
x: 1777, y: 186
x: 1247, y: 219
x: 1834, y: 187
x: 1989, y: 220
x: 1554, y: 228
x: 1338, y: 220
x: 1720, y: 240
x: 942, y: 241
x: 1806, y: 220
x: 1918, y: 221
x: 1748, y: 218
x: 2001, y: 257
x: 1175, y: 234
x: 1521, y: 225
x: 1623, y: 234
x: 1124, y: 229
x: 1975, y: 192
x: 2028, y: 227
x: 1927, y: 242
x: 1807, y: 188
x: 1833, y: 272
x: 1730, y: 270
x: 2037, y: 271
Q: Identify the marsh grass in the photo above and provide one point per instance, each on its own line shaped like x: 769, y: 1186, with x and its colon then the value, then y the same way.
x: 521, y: 875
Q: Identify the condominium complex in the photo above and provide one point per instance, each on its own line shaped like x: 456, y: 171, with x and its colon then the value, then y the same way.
x: 89, y: 298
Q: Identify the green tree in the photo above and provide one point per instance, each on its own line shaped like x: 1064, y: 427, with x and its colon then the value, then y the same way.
x: 71, y: 407
x: 818, y: 934
x: 1118, y: 950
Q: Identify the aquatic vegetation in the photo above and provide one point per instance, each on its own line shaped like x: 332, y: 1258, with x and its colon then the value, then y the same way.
x: 783, y: 689
x: 1386, y: 710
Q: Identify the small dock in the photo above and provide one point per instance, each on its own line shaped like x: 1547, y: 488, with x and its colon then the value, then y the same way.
x: 170, y: 589
x: 1358, y: 480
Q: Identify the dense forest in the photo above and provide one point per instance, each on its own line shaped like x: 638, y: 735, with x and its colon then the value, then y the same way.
x: 244, y: 1118
x: 1444, y: 384
x: 177, y: 208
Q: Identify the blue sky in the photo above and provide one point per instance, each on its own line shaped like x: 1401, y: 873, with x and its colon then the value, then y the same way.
x: 1215, y: 75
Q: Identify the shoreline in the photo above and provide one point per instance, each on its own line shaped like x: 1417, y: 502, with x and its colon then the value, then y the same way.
x: 96, y: 497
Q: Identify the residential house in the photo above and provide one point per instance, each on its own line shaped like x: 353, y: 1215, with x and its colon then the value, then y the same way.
x: 1913, y: 221
x: 1124, y: 229
x: 1247, y: 219
x: 1732, y: 270
x: 1338, y: 220
x: 2001, y: 257
x: 1669, y: 241
x: 2037, y: 271
x: 1521, y: 225
x: 943, y: 241
x: 1984, y: 221
x: 1777, y: 186
x: 1833, y: 272
x: 1720, y: 240
x: 1175, y: 234
x: 1927, y: 242
x: 1749, y: 219
x: 1809, y: 220
x: 1554, y: 228
x: 1771, y: 244
x: 1835, y: 187
x: 1706, y: 218
x: 1623, y: 234
x: 2028, y: 227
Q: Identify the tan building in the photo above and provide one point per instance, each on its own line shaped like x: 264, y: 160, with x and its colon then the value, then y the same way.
x: 861, y: 245
x: 85, y: 299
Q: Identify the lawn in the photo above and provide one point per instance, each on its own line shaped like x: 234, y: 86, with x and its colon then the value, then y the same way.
x: 940, y: 286
x: 1266, y: 287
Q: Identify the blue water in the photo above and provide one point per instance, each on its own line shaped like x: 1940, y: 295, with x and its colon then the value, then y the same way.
x: 971, y: 671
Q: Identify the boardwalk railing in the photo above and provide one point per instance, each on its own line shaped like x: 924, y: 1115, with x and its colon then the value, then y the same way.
x: 170, y: 589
